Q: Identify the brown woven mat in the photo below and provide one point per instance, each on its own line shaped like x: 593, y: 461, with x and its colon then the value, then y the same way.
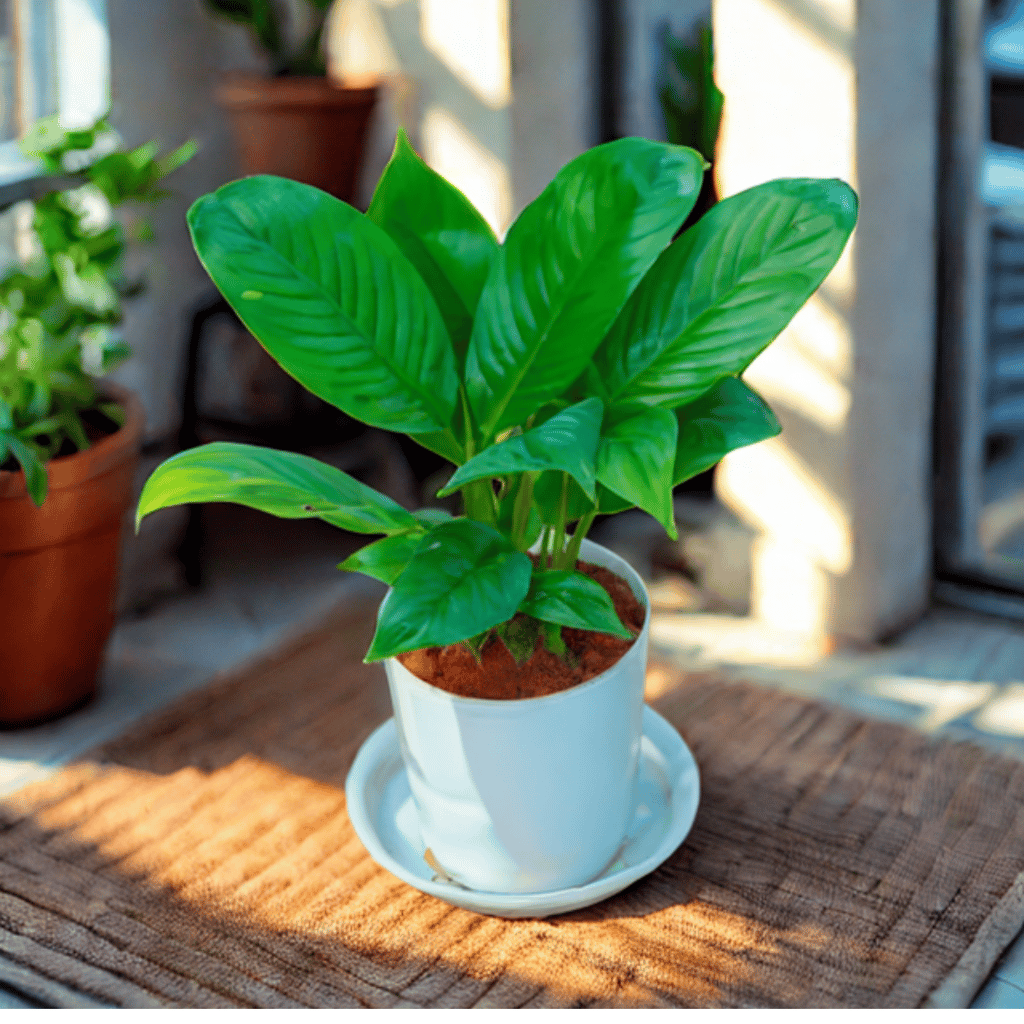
x: 206, y: 860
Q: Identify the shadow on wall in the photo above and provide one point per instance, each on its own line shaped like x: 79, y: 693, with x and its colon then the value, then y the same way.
x: 448, y: 73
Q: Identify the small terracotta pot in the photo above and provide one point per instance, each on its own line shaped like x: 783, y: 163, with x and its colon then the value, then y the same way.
x: 307, y: 129
x: 58, y: 572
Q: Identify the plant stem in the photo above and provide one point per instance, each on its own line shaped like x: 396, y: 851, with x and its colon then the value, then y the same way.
x: 577, y: 538
x: 479, y: 501
x: 563, y: 511
x: 521, y: 512
x: 468, y: 422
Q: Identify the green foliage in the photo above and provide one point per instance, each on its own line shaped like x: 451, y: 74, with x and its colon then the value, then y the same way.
x: 59, y: 309
x: 586, y: 365
x: 263, y: 19
x: 691, y: 102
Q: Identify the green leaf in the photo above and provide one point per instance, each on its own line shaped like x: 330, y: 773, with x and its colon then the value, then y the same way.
x: 384, y: 559
x: 332, y: 299
x: 475, y: 645
x: 519, y: 635
x: 568, y: 264
x: 32, y: 466
x: 567, y: 443
x: 284, y: 484
x: 259, y: 15
x: 568, y: 598
x: 721, y: 293
x: 635, y: 459
x: 432, y: 516
x: 731, y: 415
x: 440, y: 231
x: 176, y: 158
x: 464, y: 578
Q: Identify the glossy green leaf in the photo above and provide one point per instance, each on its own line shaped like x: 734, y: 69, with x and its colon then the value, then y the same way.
x: 565, y: 270
x: 284, y: 484
x: 384, y: 559
x: 440, y: 231
x: 331, y: 298
x: 724, y: 290
x: 635, y: 459
x: 31, y: 465
x: 568, y: 598
x: 730, y: 416
x: 464, y: 578
x: 567, y: 443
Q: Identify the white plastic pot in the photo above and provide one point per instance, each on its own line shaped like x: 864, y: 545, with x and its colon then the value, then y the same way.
x: 534, y: 795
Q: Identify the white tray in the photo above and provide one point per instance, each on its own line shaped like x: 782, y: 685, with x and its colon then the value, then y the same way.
x: 382, y: 811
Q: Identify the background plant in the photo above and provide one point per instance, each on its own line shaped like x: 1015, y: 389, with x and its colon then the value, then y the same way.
x: 264, y: 19
x: 586, y: 365
x: 60, y: 307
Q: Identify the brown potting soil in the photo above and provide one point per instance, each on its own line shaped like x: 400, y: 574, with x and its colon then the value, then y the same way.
x: 498, y: 677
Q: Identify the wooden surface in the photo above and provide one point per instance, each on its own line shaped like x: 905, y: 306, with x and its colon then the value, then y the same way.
x: 206, y: 860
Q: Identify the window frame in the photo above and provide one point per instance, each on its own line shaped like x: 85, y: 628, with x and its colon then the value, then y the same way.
x: 81, y: 67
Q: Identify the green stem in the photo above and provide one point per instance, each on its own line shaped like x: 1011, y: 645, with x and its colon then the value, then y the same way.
x: 545, y: 547
x: 470, y: 446
x: 577, y: 538
x: 521, y: 512
x: 563, y: 512
x: 479, y: 501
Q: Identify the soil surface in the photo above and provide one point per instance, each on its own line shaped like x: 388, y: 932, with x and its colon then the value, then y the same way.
x: 498, y: 677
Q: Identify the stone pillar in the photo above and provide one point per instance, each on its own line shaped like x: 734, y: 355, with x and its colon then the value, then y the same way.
x: 842, y: 500
x: 554, y: 90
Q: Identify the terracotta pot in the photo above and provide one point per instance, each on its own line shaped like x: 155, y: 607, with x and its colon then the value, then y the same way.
x: 308, y: 129
x: 58, y: 572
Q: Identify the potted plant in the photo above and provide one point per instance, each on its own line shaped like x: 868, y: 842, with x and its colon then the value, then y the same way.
x: 583, y: 366
x: 297, y: 123
x: 68, y: 440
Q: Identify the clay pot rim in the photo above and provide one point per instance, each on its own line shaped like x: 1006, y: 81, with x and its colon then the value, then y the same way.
x: 248, y: 91
x: 436, y: 693
x: 70, y: 471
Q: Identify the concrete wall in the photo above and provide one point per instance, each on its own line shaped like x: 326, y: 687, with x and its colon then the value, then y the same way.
x: 839, y: 88
x: 446, y: 71
x: 166, y: 56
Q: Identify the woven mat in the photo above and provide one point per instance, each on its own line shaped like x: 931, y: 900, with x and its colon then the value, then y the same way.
x: 206, y: 860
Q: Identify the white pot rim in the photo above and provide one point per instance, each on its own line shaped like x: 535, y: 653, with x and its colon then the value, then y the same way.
x: 444, y: 696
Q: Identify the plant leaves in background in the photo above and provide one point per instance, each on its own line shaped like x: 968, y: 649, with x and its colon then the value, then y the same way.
x: 331, y: 298
x: 568, y: 598
x: 635, y: 459
x: 464, y: 578
x: 384, y: 559
x: 440, y: 231
x: 567, y: 443
x: 731, y: 415
x: 32, y: 466
x: 568, y: 264
x: 284, y: 484
x: 725, y: 289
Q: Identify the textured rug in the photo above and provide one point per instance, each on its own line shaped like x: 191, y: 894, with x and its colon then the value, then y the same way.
x: 205, y: 859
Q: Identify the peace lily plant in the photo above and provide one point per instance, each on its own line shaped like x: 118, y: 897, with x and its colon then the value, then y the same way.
x: 586, y: 365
